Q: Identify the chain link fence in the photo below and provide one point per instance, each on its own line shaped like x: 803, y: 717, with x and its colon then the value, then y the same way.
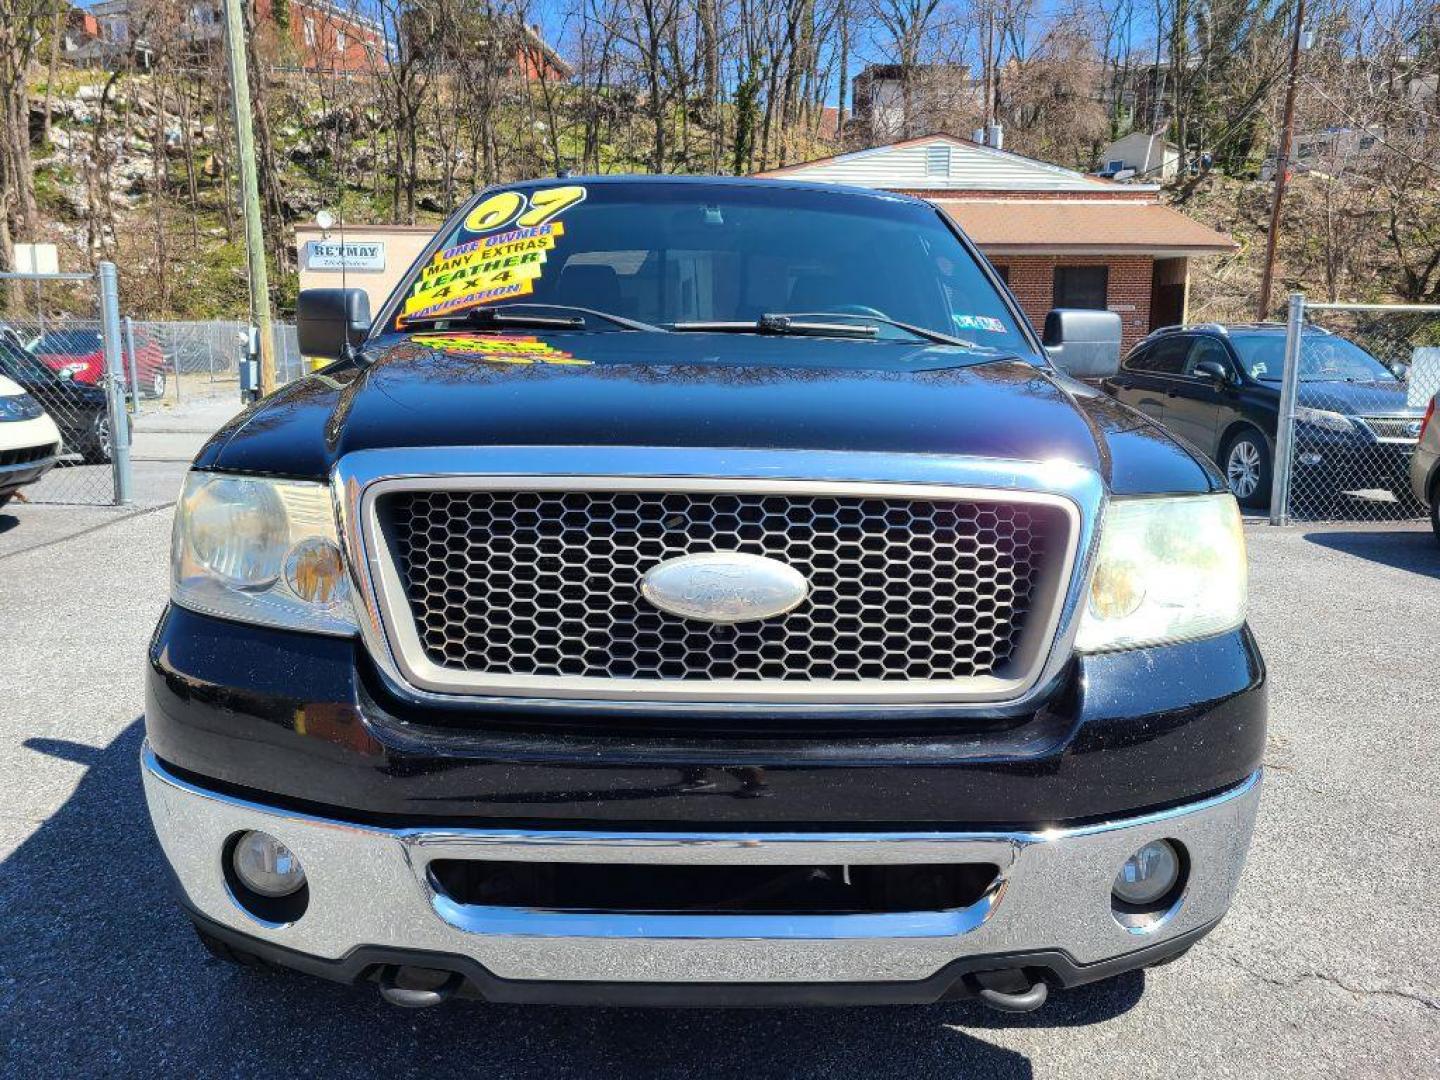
x: 190, y: 361
x: 69, y: 366
x: 1356, y: 381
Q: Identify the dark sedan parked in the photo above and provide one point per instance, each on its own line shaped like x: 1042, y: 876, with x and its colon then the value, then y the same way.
x: 78, y: 409
x: 1219, y: 388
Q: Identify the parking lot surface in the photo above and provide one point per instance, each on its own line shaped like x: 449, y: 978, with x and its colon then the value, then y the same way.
x: 1326, y: 966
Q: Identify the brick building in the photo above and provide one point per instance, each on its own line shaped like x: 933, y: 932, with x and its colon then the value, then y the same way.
x: 323, y: 36
x: 1059, y: 237
x: 328, y: 37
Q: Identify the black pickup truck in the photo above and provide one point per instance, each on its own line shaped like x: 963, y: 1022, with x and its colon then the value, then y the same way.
x: 699, y: 591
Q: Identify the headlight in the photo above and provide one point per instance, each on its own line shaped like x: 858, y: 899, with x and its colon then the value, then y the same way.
x: 19, y: 407
x: 262, y: 551
x: 1323, y: 419
x: 1168, y: 569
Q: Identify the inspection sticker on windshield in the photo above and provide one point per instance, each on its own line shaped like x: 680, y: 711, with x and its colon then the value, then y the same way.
x: 979, y: 322
x: 500, y: 350
x: 502, y: 253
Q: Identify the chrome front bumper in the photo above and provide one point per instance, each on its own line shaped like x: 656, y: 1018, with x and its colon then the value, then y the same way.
x: 369, y: 887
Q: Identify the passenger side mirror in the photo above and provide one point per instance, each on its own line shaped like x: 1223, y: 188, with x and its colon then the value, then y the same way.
x: 1083, y: 343
x: 1213, y: 369
x: 330, y: 323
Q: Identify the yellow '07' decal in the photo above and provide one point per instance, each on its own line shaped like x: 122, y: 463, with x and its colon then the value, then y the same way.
x: 499, y: 254
x: 503, y: 207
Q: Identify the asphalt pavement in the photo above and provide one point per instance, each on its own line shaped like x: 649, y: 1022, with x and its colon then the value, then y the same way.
x: 1326, y: 966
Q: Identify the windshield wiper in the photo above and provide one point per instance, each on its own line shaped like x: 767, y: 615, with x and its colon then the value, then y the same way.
x: 508, y: 316
x: 919, y: 331
x: 803, y: 324
x: 782, y: 325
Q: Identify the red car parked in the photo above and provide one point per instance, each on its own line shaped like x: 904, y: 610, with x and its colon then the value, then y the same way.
x: 80, y: 353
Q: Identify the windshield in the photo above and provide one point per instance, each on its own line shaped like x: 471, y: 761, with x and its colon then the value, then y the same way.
x: 1323, y: 358
x: 669, y: 254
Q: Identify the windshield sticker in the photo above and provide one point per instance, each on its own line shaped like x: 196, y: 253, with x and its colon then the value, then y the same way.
x: 979, y: 322
x: 501, y: 350
x: 502, y: 265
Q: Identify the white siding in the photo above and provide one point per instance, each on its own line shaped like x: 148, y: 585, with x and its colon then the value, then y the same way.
x: 972, y: 168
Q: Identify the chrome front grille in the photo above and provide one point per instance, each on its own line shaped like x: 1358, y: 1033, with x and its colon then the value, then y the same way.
x: 1394, y: 428
x: 542, y: 586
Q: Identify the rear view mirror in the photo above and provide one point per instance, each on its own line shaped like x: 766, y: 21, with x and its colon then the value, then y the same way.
x: 330, y: 323
x: 1083, y: 343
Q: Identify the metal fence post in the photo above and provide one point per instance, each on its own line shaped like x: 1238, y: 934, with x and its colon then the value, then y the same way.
x: 134, y: 370
x: 1285, y: 429
x: 115, y: 378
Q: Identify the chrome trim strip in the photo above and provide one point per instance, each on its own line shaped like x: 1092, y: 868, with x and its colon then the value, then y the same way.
x: 1052, y: 891
x: 361, y: 477
x: 475, y: 919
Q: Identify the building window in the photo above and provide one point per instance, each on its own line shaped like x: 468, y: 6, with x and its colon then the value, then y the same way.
x: 310, y: 32
x: 339, y: 41
x: 1081, y: 286
x: 937, y: 160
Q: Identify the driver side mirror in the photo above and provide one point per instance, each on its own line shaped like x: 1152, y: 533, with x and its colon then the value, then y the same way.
x: 330, y: 323
x: 1213, y: 369
x: 1083, y: 343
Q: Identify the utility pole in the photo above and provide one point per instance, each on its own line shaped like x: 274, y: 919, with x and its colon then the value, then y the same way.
x: 250, y: 192
x: 1282, y: 166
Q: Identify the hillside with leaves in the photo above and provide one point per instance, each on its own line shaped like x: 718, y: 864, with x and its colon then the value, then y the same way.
x: 134, y: 162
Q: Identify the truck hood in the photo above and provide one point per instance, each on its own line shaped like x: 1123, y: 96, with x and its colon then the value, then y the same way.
x: 698, y: 390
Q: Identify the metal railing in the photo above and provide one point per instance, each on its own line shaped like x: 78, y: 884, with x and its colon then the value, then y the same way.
x: 182, y: 361
x: 1355, y: 382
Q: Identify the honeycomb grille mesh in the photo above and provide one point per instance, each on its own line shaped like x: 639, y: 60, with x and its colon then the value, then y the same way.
x: 548, y: 584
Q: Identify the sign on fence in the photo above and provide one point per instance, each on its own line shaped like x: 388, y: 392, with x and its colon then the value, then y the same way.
x: 37, y: 259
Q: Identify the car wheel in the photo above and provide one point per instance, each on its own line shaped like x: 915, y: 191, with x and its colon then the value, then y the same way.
x: 6, y: 498
x: 98, y: 450
x: 157, y: 384
x: 1246, y: 462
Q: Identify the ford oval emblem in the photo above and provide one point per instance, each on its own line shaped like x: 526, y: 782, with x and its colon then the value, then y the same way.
x: 724, y: 587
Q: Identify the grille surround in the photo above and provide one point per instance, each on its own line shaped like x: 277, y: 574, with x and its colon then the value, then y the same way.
x: 392, y: 626
x: 1392, y: 429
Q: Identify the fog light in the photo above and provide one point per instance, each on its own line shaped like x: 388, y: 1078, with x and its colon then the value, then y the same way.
x: 1148, y: 874
x: 266, y: 866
